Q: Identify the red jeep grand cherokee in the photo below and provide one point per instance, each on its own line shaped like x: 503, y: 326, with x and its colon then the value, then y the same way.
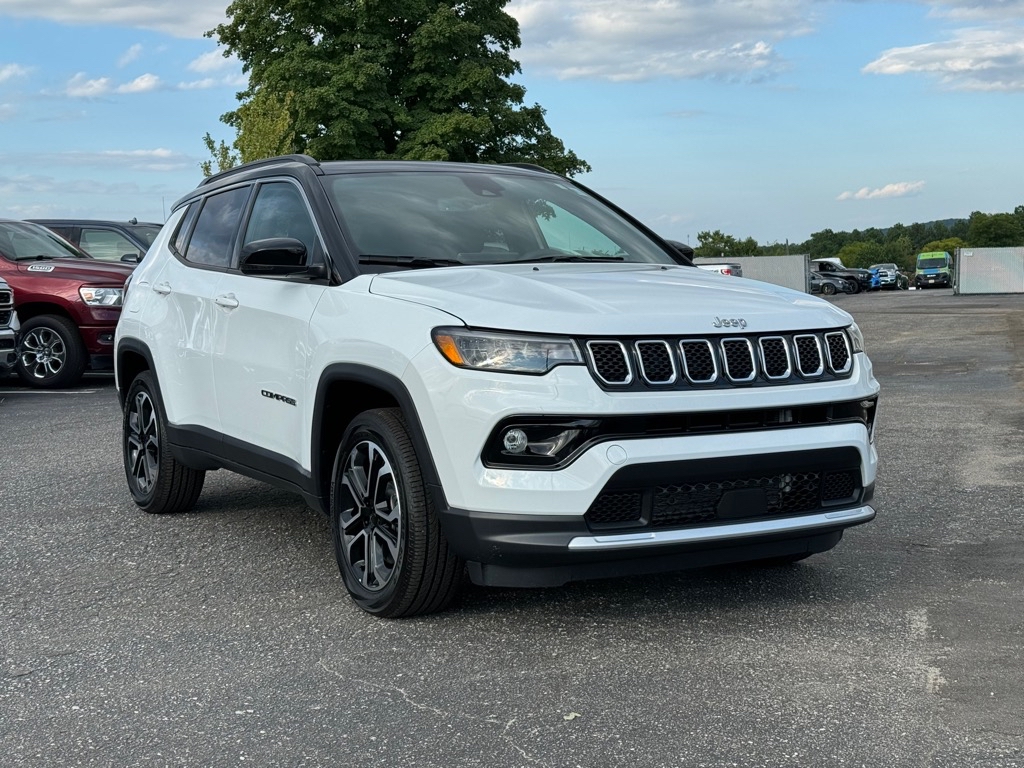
x: 68, y: 303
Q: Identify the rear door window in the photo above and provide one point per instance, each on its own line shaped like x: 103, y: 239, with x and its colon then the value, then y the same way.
x: 213, y: 238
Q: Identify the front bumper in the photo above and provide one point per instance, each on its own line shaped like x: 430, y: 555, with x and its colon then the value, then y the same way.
x: 522, y: 551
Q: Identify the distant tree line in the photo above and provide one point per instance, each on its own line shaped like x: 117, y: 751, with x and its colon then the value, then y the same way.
x: 898, y: 244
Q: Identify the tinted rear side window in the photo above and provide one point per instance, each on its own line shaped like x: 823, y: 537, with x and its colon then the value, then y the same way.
x: 214, y: 235
x: 184, y: 229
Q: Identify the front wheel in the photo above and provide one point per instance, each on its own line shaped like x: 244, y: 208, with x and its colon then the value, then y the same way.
x: 157, y: 482
x: 392, y: 554
x: 828, y: 289
x: 51, y: 353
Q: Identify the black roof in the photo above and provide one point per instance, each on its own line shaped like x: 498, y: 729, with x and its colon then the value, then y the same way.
x: 258, y: 168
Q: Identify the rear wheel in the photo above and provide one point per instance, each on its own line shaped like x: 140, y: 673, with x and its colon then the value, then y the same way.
x: 392, y: 554
x: 51, y: 353
x: 157, y: 482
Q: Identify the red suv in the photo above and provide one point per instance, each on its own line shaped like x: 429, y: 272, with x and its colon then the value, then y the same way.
x: 68, y: 303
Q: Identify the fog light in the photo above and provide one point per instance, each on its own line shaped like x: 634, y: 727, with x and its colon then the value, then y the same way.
x: 514, y: 441
x: 554, y: 444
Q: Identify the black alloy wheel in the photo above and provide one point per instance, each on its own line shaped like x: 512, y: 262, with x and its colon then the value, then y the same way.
x: 392, y: 554
x: 158, y: 483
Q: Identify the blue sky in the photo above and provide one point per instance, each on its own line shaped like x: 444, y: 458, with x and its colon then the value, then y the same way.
x: 760, y: 118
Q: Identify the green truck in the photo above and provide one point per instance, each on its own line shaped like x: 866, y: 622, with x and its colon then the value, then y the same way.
x: 934, y: 268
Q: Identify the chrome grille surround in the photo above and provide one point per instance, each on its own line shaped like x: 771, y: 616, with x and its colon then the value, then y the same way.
x: 837, y: 347
x: 738, y: 356
x: 660, y: 348
x: 809, y: 361
x: 603, y: 354
x: 716, y: 362
x: 702, y: 349
x: 770, y: 347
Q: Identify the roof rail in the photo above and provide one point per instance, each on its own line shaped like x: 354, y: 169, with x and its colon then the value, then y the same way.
x: 304, y: 159
x: 531, y: 167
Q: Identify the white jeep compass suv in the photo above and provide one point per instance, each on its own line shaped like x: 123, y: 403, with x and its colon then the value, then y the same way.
x: 485, y: 369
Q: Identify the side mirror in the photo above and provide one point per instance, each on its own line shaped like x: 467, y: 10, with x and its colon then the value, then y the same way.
x: 683, y: 250
x: 132, y: 258
x: 278, y: 257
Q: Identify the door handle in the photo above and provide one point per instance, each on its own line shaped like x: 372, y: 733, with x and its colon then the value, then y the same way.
x: 162, y: 288
x: 226, y: 300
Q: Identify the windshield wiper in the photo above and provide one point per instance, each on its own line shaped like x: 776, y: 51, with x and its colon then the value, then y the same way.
x: 564, y: 257
x: 407, y: 261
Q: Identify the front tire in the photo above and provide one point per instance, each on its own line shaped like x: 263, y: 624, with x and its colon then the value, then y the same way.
x: 51, y: 353
x: 392, y: 554
x: 828, y: 289
x: 158, y: 483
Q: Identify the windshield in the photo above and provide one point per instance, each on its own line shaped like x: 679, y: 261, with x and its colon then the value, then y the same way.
x: 26, y: 242
x: 436, y: 218
x: 145, y: 232
x: 931, y: 263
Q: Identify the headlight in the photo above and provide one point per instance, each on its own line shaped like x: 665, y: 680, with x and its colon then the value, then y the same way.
x: 101, y: 297
x: 489, y: 351
x: 856, y: 338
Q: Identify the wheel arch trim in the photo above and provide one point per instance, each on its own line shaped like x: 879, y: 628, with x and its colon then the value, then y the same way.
x: 394, y: 387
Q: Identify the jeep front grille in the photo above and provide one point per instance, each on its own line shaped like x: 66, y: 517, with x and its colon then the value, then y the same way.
x: 748, y: 360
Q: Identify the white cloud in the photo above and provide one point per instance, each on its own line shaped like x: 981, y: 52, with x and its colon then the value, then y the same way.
x: 159, y: 159
x: 141, y: 84
x: 130, y: 55
x: 979, y: 11
x: 645, y: 39
x: 11, y: 71
x: 181, y: 18
x: 213, y: 61
x: 973, y: 60
x: 897, y: 189
x: 81, y: 87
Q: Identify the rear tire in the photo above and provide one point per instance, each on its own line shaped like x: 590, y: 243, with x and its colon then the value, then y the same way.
x: 158, y: 483
x: 391, y: 551
x: 51, y: 353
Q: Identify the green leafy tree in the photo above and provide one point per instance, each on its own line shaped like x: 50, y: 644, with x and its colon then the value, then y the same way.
x: 826, y: 244
x: 899, y: 251
x: 948, y: 244
x: 400, y: 79
x: 264, y: 129
x: 861, y: 254
x: 223, y: 157
x: 997, y: 230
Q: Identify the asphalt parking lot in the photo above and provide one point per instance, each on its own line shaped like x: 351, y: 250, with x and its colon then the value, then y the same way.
x: 224, y: 636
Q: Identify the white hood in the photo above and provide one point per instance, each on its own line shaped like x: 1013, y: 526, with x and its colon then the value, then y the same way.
x: 608, y: 299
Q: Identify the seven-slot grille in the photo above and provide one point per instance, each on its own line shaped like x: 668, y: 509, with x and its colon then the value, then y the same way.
x: 720, y: 361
